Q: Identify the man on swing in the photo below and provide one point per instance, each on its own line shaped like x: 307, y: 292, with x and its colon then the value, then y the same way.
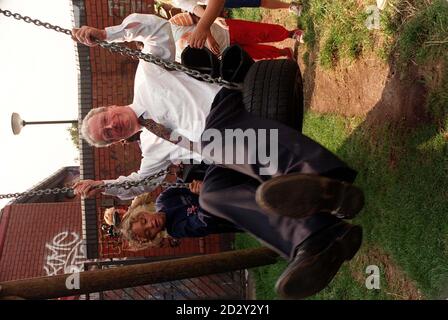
x: 294, y: 206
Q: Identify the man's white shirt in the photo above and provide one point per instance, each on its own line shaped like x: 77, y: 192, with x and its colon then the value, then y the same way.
x: 171, y: 98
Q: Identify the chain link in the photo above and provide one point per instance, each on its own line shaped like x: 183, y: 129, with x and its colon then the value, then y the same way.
x: 148, y: 181
x: 135, y: 54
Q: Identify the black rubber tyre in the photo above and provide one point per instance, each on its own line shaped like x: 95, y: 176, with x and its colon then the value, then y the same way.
x: 273, y: 89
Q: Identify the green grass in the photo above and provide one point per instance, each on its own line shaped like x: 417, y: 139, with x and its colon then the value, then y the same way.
x: 420, y: 29
x: 402, y: 171
x: 415, y: 30
x: 251, y: 14
x: 403, y: 174
x: 336, y: 29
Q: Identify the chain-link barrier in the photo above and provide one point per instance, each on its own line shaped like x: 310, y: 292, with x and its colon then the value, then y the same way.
x: 148, y: 181
x: 135, y: 54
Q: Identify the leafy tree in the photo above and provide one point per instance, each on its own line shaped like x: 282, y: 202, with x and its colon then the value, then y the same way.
x: 74, y: 134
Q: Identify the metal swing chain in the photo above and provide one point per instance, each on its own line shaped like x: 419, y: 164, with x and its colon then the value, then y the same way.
x: 125, y: 185
x: 135, y: 54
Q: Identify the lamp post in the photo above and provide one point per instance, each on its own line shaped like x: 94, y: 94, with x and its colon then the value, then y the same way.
x: 18, y: 123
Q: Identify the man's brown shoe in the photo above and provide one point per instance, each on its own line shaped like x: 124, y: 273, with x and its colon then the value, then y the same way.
x: 318, y: 260
x: 300, y: 195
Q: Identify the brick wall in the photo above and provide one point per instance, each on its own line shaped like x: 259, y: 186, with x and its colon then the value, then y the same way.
x: 112, y: 83
x: 39, y: 239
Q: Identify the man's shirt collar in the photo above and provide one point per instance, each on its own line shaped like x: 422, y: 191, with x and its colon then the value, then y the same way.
x: 139, y: 110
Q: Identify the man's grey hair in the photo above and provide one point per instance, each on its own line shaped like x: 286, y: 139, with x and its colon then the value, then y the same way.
x: 85, y: 130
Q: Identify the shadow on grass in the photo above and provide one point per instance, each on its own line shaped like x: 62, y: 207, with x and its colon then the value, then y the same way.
x: 403, y: 175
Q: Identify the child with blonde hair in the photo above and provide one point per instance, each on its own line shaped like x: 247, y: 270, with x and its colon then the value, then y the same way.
x: 175, y: 213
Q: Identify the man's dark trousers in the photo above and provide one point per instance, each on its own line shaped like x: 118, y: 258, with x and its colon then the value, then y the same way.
x: 229, y: 189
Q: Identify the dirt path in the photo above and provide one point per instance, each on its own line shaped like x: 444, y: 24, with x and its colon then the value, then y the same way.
x: 397, y: 284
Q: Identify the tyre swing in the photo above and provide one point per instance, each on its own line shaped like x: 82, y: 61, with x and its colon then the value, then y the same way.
x: 271, y: 89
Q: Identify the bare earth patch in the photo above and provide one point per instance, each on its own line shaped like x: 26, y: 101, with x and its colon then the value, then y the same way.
x: 348, y: 90
x: 366, y: 87
x: 399, y: 285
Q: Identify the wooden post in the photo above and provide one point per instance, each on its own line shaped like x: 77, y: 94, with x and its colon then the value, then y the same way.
x: 136, y: 275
